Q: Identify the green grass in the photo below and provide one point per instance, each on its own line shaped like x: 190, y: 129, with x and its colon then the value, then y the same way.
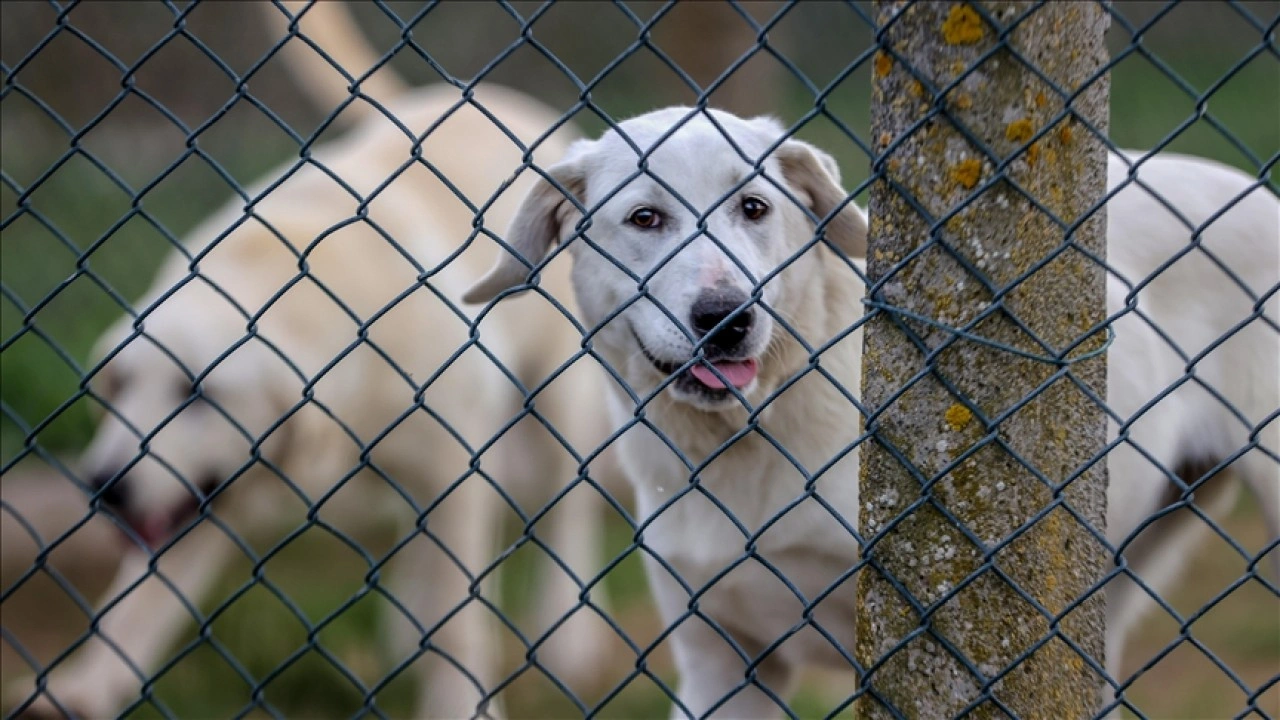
x: 36, y: 379
x: 319, y: 576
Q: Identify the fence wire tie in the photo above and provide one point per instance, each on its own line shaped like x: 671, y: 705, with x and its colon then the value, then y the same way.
x: 996, y: 344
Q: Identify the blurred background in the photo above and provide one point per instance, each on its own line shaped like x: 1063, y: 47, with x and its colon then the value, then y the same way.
x: 117, y: 81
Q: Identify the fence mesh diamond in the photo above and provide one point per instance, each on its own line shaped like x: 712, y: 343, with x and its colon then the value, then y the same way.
x: 261, y: 457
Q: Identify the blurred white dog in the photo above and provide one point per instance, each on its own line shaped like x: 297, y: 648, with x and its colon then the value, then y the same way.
x: 753, y: 265
x: 292, y: 359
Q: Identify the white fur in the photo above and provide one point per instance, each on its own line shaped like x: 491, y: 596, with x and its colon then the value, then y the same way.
x: 1193, y: 302
x: 673, y: 434
x: 254, y: 388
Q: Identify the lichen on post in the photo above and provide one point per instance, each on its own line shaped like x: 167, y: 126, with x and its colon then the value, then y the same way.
x: 980, y: 483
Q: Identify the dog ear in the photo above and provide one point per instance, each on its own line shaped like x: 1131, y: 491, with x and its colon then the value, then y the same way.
x: 815, y: 178
x: 536, y: 227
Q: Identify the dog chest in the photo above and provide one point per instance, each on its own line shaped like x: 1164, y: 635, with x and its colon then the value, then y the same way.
x: 742, y: 525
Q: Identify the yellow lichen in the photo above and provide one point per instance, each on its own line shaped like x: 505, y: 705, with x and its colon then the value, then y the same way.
x: 1064, y: 134
x: 958, y: 417
x: 916, y: 88
x: 967, y: 172
x: 1019, y: 130
x: 883, y: 64
x: 1041, y: 100
x: 963, y: 102
x: 1033, y: 153
x: 962, y: 26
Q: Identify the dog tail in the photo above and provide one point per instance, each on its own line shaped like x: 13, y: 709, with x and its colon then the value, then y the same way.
x: 329, y: 26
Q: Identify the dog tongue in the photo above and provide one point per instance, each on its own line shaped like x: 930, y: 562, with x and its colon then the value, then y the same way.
x: 153, y: 531
x: 739, y: 373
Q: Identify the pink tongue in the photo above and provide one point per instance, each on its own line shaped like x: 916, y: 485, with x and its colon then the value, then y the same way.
x: 739, y: 373
x: 153, y: 531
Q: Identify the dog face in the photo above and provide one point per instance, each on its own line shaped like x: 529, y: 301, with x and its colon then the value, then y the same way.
x: 690, y: 261
x: 187, y: 402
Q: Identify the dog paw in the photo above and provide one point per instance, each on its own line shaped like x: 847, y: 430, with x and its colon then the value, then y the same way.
x: 20, y: 705
x: 42, y: 708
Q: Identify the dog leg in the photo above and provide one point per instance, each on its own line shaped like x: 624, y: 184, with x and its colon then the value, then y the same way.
x: 141, y: 625
x: 532, y: 460
x: 711, y: 669
x: 1262, y: 476
x: 1160, y: 554
x: 461, y: 657
x: 577, y: 650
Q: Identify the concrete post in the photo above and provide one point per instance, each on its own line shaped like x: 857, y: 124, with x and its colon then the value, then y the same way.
x: 981, y: 433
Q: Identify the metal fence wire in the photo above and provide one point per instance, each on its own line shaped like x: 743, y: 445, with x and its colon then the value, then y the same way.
x: 78, y: 661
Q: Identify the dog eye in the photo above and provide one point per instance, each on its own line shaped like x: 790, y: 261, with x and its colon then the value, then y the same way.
x: 646, y: 218
x: 754, y: 208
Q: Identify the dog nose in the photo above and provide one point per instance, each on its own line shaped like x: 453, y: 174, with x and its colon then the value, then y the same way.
x: 713, y: 309
x: 112, y: 494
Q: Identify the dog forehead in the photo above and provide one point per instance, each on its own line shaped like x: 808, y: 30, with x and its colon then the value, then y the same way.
x: 157, y: 348
x: 689, y: 153
x: 690, y: 128
x: 175, y: 333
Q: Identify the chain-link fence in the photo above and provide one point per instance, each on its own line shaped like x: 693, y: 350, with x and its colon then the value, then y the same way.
x: 274, y: 443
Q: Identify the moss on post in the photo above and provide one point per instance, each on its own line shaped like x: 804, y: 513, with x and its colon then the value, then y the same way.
x: 986, y: 432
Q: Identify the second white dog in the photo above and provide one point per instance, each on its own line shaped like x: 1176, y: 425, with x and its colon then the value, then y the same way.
x: 312, y: 354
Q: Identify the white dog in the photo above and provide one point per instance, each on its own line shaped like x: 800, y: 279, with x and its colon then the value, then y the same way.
x: 292, y: 360
x: 734, y: 552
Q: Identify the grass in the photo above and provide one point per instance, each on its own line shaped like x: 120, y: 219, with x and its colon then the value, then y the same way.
x: 53, y: 311
x: 319, y: 575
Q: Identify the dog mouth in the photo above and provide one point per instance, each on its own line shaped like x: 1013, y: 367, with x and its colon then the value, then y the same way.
x: 714, y: 377
x: 157, y: 528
